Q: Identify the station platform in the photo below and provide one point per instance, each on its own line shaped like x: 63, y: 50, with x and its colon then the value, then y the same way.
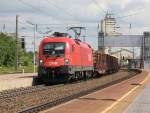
x: 141, y: 104
x: 11, y: 81
x: 129, y: 96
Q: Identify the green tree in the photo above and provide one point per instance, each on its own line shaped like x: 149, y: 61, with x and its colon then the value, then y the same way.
x: 7, y: 50
x: 26, y: 58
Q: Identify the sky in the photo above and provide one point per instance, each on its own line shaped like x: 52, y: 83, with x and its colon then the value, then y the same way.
x: 57, y: 15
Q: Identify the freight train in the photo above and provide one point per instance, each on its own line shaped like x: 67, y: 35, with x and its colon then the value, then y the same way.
x: 62, y: 58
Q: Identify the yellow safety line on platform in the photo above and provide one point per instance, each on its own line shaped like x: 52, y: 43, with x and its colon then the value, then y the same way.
x: 124, y: 96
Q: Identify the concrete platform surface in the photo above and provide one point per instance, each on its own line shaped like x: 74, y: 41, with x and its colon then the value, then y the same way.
x: 11, y: 81
x: 142, y: 102
x: 114, y: 99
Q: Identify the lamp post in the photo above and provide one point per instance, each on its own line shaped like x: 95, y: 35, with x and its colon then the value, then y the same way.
x: 17, y: 51
x: 34, y: 33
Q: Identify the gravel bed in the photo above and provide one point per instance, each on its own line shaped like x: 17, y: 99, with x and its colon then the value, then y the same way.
x: 25, y: 100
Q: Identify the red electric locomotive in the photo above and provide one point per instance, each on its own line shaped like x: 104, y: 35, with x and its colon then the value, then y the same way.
x: 62, y: 58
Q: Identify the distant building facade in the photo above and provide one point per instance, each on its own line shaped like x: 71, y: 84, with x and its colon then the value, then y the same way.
x: 123, y: 56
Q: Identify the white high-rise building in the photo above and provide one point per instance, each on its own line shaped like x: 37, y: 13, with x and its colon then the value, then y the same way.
x: 108, y: 25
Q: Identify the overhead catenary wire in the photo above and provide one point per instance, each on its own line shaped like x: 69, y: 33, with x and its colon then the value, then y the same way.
x: 121, y: 18
x: 70, y: 15
x: 61, y: 9
x: 109, y: 5
x: 51, y: 3
x: 129, y: 15
x: 99, y: 6
x: 60, y: 24
x: 118, y: 17
x: 38, y: 9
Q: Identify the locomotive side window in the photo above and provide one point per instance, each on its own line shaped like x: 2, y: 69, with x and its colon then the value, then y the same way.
x: 54, y: 49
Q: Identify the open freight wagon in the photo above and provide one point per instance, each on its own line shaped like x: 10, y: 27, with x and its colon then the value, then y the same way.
x: 104, y: 63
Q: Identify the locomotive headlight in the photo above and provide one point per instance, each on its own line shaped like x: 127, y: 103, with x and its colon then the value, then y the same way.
x: 66, y: 61
x: 40, y: 62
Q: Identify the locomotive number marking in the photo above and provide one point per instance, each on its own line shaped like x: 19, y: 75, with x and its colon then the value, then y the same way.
x: 53, y: 63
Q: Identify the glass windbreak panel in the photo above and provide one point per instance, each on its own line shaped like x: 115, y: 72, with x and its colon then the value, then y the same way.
x: 54, y: 49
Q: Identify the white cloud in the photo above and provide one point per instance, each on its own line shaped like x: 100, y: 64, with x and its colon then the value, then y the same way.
x: 76, y: 11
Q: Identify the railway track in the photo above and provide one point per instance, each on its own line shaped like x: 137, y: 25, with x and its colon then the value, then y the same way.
x: 34, y: 99
x: 27, y: 90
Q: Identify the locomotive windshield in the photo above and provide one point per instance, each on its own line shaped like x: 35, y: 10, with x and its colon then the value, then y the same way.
x: 54, y: 49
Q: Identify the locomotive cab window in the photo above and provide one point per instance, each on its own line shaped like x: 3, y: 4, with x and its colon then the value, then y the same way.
x: 54, y: 49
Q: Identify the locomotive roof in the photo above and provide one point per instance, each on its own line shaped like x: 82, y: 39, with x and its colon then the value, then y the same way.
x: 65, y: 39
